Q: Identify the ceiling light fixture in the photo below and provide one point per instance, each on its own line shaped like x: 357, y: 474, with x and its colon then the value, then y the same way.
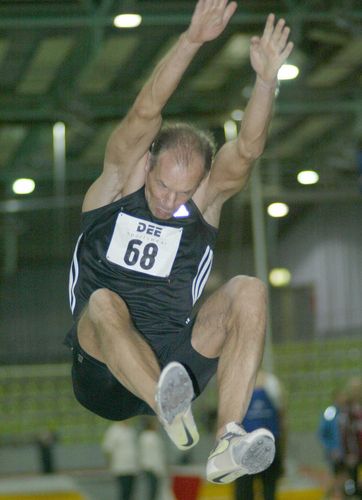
x: 230, y: 130
x: 279, y: 276
x: 278, y: 209
x: 23, y: 186
x: 237, y: 115
x: 308, y: 177
x: 288, y: 72
x: 127, y: 21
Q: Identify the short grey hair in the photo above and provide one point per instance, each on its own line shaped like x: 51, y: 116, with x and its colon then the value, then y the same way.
x: 185, y: 139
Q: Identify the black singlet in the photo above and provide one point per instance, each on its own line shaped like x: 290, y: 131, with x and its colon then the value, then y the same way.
x: 158, y: 267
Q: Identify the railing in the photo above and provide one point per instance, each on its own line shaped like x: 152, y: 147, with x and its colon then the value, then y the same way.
x: 34, y: 398
x: 40, y: 397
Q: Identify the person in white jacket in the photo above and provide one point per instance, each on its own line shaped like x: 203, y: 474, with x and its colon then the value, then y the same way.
x: 153, y: 461
x: 120, y: 447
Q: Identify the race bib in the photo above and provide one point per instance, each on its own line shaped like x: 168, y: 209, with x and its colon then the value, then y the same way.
x: 144, y: 246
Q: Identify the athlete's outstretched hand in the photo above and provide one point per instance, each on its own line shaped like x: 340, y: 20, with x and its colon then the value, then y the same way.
x: 209, y: 20
x: 269, y: 52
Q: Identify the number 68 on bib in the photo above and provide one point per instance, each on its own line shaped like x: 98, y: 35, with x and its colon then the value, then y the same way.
x: 144, y: 246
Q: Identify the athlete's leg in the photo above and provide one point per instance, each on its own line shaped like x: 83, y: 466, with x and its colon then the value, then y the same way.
x: 106, y: 332
x: 231, y: 325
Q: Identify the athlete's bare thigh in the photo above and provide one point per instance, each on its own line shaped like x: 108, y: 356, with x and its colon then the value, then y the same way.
x: 208, y: 334
x: 87, y: 337
x: 226, y: 307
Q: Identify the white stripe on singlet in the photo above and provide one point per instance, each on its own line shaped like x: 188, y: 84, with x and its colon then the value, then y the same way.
x: 73, y: 275
x: 202, y: 275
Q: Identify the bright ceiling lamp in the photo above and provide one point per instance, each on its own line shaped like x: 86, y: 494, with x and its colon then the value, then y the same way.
x: 288, y: 72
x: 237, y: 115
x: 23, y: 186
x: 278, y: 209
x: 279, y: 276
x: 127, y: 21
x: 230, y: 130
x: 308, y: 177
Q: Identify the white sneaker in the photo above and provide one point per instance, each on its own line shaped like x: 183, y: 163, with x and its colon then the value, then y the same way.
x: 174, y: 394
x: 238, y: 453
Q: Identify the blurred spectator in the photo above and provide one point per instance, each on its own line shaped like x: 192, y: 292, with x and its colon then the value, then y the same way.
x: 351, y: 429
x: 121, y: 450
x: 266, y: 409
x: 46, y: 442
x: 330, y: 436
x: 152, y: 458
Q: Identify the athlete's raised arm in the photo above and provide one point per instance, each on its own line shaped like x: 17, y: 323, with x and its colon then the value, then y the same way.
x: 234, y: 160
x: 130, y: 142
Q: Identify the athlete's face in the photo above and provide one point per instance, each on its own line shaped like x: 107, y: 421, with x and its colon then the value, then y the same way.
x: 169, y: 184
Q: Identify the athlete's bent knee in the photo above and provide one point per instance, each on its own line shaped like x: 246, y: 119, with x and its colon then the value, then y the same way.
x: 249, y: 283
x: 103, y: 301
x: 248, y: 289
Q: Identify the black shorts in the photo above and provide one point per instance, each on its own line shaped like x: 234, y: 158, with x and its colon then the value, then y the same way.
x: 100, y: 392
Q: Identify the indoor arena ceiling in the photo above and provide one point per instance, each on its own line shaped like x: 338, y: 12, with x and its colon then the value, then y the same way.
x: 63, y: 61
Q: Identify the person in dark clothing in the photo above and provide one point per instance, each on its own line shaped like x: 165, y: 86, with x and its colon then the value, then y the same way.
x: 45, y: 442
x: 149, y: 226
x: 266, y: 409
x: 330, y: 436
x: 351, y: 433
